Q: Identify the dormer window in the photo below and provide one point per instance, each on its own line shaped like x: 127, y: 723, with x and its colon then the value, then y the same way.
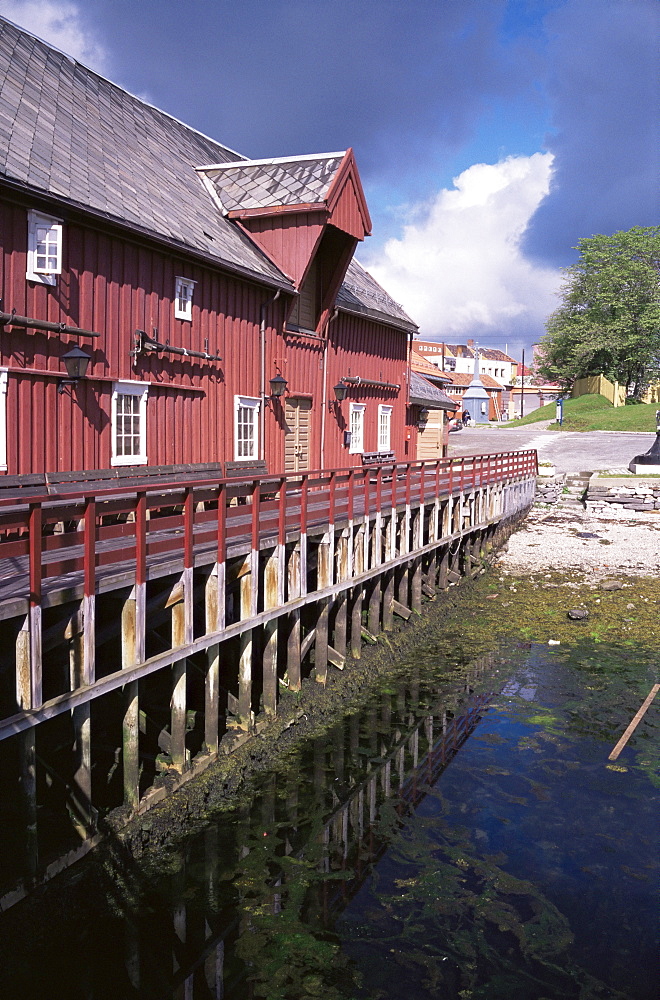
x: 183, y: 295
x: 44, y: 253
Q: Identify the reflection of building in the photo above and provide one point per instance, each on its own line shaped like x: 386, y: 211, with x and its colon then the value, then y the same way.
x: 285, y: 862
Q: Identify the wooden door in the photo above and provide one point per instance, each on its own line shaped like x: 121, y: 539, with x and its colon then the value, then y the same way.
x: 297, y: 412
x: 429, y: 440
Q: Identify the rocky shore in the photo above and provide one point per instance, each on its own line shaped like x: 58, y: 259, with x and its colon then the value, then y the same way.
x: 570, y: 539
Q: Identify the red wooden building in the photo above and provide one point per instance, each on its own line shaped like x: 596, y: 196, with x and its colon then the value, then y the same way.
x: 191, y: 277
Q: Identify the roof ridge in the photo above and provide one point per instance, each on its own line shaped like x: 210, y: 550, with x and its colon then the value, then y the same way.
x: 271, y: 160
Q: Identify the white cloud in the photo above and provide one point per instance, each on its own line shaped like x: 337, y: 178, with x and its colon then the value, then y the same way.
x: 459, y: 269
x: 60, y: 23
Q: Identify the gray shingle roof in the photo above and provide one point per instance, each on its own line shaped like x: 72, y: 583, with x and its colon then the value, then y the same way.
x: 299, y: 180
x: 362, y: 294
x: 422, y: 393
x: 68, y: 132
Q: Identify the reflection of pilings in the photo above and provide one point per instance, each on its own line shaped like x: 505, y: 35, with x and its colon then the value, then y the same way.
x: 262, y: 582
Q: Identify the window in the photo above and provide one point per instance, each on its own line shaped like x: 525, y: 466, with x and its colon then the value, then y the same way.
x: 246, y: 427
x: 384, y: 425
x: 129, y: 423
x: 44, y: 254
x: 3, y: 419
x: 183, y: 295
x: 357, y: 429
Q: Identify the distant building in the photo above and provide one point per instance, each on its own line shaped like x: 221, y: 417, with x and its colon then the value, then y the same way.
x: 460, y: 358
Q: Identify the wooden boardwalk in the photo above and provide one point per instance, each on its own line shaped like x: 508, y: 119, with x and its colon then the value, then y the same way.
x: 257, y: 584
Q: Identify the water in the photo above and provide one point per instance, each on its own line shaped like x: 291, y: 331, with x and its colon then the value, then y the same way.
x: 463, y: 836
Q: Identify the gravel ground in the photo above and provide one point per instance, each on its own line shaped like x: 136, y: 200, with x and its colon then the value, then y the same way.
x: 551, y: 541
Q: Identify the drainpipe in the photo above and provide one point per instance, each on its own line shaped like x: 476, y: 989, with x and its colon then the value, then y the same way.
x: 325, y: 386
x: 262, y: 408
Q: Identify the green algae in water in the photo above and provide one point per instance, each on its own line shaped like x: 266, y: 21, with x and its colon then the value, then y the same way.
x: 362, y: 865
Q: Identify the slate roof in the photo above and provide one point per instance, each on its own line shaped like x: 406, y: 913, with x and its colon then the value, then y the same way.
x: 251, y: 184
x: 68, y: 133
x: 361, y: 294
x: 422, y: 393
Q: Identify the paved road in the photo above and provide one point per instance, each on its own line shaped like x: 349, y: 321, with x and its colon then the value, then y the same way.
x: 570, y: 451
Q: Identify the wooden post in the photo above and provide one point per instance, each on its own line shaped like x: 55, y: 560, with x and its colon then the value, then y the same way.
x: 357, y: 594
x: 28, y: 793
x: 269, y: 656
x: 178, y: 716
x: 246, y: 643
x: 130, y: 723
x: 215, y: 601
x: 341, y: 602
x: 293, y: 639
x: 325, y: 563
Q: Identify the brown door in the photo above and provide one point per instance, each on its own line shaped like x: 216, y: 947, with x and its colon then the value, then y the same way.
x: 296, y: 436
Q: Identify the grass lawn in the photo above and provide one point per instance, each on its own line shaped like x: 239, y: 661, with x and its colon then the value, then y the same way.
x: 594, y: 413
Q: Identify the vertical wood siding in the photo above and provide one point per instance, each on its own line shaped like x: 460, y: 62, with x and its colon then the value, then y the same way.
x: 289, y: 240
x: 114, y: 286
x: 362, y: 347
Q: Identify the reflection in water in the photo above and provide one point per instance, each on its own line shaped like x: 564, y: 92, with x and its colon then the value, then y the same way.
x: 364, y: 866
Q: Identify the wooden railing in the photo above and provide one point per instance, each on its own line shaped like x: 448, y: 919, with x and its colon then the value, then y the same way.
x: 49, y: 540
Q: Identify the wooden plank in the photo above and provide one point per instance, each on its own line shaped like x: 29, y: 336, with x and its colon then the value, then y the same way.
x: 336, y: 658
x: 630, y: 729
x: 307, y: 643
x: 401, y: 610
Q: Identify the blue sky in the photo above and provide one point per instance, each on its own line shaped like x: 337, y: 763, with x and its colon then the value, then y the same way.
x: 490, y: 134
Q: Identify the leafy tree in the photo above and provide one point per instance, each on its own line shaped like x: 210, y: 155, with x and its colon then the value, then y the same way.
x: 609, y: 319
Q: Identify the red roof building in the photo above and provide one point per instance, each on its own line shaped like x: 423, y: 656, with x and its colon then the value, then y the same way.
x: 196, y: 284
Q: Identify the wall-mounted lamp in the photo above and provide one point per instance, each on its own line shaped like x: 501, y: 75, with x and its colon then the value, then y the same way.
x: 341, y: 391
x: 423, y: 417
x: 278, y: 386
x: 76, y: 362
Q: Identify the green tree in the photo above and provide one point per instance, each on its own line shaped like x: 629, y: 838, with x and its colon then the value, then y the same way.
x: 609, y: 319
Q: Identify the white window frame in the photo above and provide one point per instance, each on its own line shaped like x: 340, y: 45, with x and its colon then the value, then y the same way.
x: 140, y: 389
x: 45, y: 274
x: 356, y: 427
x: 252, y: 404
x: 180, y: 285
x: 384, y: 424
x: 3, y: 419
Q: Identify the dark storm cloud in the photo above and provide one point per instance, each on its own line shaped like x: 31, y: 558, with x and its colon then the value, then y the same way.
x: 402, y: 82
x: 604, y: 88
